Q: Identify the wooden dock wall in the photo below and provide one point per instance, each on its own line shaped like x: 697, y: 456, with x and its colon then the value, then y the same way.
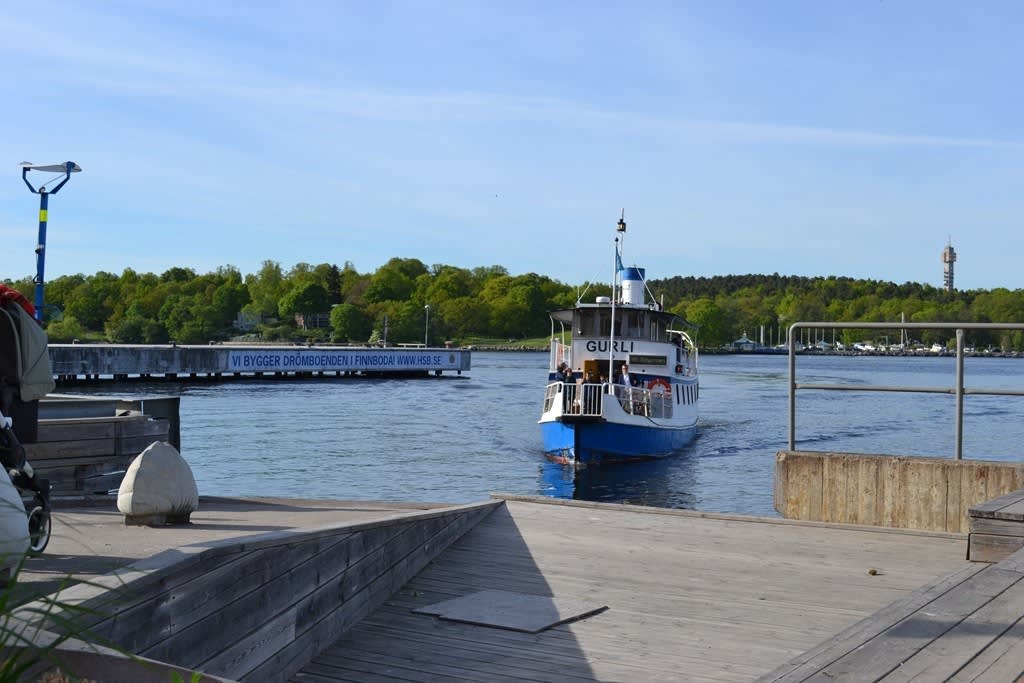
x: 887, y: 490
x: 260, y: 608
x: 88, y: 456
x: 66, y: 406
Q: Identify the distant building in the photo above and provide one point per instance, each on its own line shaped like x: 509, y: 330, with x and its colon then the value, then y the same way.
x: 247, y: 322
x: 313, y: 320
x: 948, y: 259
x: 745, y: 343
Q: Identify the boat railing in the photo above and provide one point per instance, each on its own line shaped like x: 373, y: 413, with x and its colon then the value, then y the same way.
x: 579, y: 398
x: 958, y: 389
x: 639, y: 401
x: 552, y: 393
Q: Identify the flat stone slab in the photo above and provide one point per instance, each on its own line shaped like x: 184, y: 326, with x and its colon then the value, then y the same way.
x: 512, y: 611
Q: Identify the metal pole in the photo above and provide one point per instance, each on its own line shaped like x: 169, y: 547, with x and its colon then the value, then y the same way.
x: 792, y: 387
x: 44, y: 201
x: 611, y: 336
x: 68, y: 167
x: 958, y: 449
x: 426, y: 326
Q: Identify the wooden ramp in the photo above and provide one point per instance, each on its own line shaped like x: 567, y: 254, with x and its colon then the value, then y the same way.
x: 256, y: 591
x: 689, y: 596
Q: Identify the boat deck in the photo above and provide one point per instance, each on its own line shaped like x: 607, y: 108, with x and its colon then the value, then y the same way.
x: 689, y: 596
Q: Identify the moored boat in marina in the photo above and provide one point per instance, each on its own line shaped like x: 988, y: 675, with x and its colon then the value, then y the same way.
x: 622, y: 377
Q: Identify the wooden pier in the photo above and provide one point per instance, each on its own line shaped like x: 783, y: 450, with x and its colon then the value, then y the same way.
x: 665, y: 595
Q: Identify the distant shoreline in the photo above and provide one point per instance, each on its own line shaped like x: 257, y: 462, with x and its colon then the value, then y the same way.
x: 526, y: 348
x: 895, y: 354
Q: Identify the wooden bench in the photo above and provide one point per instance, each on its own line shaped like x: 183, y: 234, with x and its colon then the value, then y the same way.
x: 996, y: 528
x: 968, y: 626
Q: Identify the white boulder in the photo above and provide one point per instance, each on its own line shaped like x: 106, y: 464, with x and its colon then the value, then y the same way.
x: 158, y: 488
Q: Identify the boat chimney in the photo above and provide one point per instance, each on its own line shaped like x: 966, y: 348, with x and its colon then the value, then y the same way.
x: 633, y: 286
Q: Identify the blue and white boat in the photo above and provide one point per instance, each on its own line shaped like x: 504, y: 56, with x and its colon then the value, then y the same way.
x: 590, y: 415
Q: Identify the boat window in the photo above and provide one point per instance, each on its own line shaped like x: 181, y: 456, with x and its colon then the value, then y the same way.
x: 633, y: 327
x: 657, y: 330
x: 605, y: 323
x: 585, y: 323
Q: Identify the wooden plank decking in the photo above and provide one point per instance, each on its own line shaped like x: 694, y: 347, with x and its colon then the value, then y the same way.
x: 690, y: 596
x: 966, y: 627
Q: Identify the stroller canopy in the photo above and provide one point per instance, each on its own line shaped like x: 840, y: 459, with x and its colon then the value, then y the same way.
x: 24, y: 358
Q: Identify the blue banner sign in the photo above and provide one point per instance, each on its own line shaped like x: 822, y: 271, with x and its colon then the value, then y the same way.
x: 311, y: 360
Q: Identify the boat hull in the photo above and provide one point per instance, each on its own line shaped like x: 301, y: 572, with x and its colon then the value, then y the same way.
x: 584, y: 443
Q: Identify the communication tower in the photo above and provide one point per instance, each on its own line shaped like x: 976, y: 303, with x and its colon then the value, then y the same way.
x: 948, y: 259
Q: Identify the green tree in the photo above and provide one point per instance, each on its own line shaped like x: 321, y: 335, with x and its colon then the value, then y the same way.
x: 265, y: 290
x: 711, y: 320
x: 65, y: 330
x: 460, y: 317
x: 350, y: 323
x: 306, y: 299
x: 394, y: 281
x: 92, y: 302
x: 331, y: 280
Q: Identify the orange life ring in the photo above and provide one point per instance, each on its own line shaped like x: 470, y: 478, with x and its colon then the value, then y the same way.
x: 14, y: 296
x: 666, y: 388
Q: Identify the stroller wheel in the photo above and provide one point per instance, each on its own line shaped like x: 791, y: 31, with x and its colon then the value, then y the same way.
x: 38, y: 530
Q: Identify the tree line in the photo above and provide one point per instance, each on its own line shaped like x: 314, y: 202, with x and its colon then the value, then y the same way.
x: 405, y: 300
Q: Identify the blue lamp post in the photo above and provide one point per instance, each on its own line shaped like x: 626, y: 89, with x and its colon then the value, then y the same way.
x: 67, y: 168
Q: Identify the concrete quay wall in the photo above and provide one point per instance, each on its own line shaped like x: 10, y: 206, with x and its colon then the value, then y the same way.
x: 71, y: 362
x: 904, y: 492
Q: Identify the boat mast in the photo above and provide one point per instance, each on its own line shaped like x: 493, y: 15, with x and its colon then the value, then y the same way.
x: 619, y: 228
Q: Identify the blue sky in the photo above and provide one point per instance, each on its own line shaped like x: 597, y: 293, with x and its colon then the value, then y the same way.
x: 804, y: 138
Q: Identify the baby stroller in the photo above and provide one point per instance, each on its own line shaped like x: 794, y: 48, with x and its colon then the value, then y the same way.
x: 35, y: 491
x: 25, y: 377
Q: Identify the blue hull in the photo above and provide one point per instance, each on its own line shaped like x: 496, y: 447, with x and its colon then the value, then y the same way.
x: 585, y: 443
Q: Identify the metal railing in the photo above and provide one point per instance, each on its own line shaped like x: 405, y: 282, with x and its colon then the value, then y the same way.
x: 958, y: 390
x: 587, y: 399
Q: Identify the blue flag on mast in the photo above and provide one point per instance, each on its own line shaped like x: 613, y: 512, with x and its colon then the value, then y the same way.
x: 618, y: 260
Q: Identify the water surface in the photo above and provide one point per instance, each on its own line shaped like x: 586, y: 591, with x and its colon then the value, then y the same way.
x: 457, y: 439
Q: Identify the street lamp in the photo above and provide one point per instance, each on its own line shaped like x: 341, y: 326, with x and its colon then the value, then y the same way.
x: 67, y: 168
x: 426, y: 326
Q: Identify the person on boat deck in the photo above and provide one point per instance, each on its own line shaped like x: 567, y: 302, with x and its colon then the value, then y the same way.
x: 562, y: 374
x: 628, y: 400
x: 590, y: 395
